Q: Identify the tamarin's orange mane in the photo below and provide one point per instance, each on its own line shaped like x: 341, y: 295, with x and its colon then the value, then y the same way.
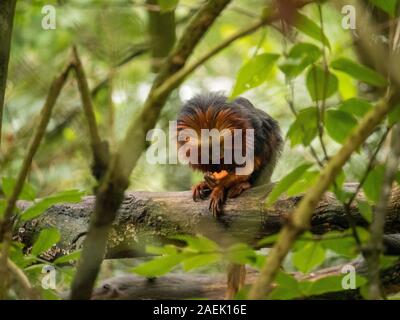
x: 212, y: 118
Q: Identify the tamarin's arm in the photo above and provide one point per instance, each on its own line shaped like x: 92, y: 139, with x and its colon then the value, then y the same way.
x: 225, y: 184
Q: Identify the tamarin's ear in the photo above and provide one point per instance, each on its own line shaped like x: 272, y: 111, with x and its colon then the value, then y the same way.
x: 244, y: 102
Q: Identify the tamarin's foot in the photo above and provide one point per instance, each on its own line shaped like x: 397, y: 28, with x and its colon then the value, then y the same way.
x: 238, y: 189
x: 201, y: 191
x: 217, y: 201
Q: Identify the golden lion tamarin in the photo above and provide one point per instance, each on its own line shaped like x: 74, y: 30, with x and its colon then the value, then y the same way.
x: 221, y: 179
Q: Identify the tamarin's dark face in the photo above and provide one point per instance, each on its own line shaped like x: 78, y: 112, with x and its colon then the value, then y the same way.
x: 212, y: 131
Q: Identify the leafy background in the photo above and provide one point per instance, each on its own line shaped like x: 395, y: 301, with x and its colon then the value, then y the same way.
x: 284, y: 76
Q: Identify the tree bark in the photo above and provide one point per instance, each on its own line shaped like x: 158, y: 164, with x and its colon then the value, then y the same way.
x: 161, y: 26
x: 7, y: 9
x: 153, y: 217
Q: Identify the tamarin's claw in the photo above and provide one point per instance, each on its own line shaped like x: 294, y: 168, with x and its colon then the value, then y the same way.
x: 201, y: 191
x: 238, y: 189
x: 217, y: 201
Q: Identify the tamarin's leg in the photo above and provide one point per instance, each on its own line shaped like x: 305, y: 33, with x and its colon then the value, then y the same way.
x: 217, y: 200
x: 236, y: 279
x: 237, y: 189
x: 224, y: 184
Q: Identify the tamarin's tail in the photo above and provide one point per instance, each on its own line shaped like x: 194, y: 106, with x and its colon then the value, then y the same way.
x: 236, y: 279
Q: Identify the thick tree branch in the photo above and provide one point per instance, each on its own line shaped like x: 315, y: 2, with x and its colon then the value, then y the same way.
x: 161, y: 26
x: 148, y: 218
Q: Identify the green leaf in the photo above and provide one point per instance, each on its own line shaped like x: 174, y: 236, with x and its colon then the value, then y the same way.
x: 308, y: 257
x: 394, y: 115
x: 241, y: 253
x: 373, y: 183
x: 71, y: 196
x: 47, y: 238
x: 326, y: 284
x: 73, y: 256
x: 286, y: 182
x: 389, y: 6
x: 304, y: 129
x: 288, y: 287
x: 321, y: 84
x: 310, y: 28
x: 268, y: 240
x: 355, y: 106
x: 299, y: 58
x: 303, y: 184
x: 167, y: 5
x: 198, y: 243
x: 168, y: 249
x: 337, y: 188
x: 200, y: 260
x: 365, y: 210
x: 27, y: 193
x: 339, y: 124
x: 158, y: 266
x: 359, y: 72
x: 254, y: 72
x: 2, y: 207
x: 341, y: 243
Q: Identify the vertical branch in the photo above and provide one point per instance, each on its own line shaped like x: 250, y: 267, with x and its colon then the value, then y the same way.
x: 111, y: 108
x: 99, y: 148
x: 375, y: 246
x: 321, y: 106
x: 22, y: 279
x: 161, y: 26
x: 7, y: 9
x: 5, y: 225
x: 111, y: 190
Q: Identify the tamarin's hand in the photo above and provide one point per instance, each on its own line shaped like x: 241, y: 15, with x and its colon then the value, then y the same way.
x: 221, y: 180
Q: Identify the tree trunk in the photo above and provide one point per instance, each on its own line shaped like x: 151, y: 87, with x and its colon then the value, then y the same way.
x: 7, y: 8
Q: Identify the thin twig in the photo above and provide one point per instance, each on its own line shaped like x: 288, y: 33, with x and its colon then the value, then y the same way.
x: 100, y: 149
x: 375, y: 247
x: 321, y: 106
x: 21, y: 278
